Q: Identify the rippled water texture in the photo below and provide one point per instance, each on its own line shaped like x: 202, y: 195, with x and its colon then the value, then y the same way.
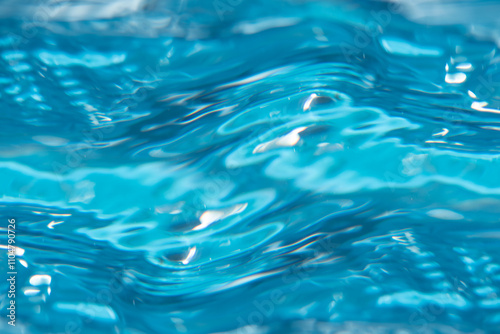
x: 236, y: 166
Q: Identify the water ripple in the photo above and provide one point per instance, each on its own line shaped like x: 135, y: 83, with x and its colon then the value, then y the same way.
x: 293, y: 167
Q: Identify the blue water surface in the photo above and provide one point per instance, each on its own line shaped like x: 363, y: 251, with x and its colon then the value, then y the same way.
x: 247, y: 167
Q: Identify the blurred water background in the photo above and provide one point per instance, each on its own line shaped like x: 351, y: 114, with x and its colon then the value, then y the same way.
x: 235, y: 166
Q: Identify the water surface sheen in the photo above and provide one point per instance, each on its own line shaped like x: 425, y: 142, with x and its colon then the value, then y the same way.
x: 251, y: 166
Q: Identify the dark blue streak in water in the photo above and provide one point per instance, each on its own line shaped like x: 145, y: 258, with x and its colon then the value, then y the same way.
x: 251, y: 166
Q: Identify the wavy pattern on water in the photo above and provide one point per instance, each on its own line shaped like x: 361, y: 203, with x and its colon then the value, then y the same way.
x: 236, y: 167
